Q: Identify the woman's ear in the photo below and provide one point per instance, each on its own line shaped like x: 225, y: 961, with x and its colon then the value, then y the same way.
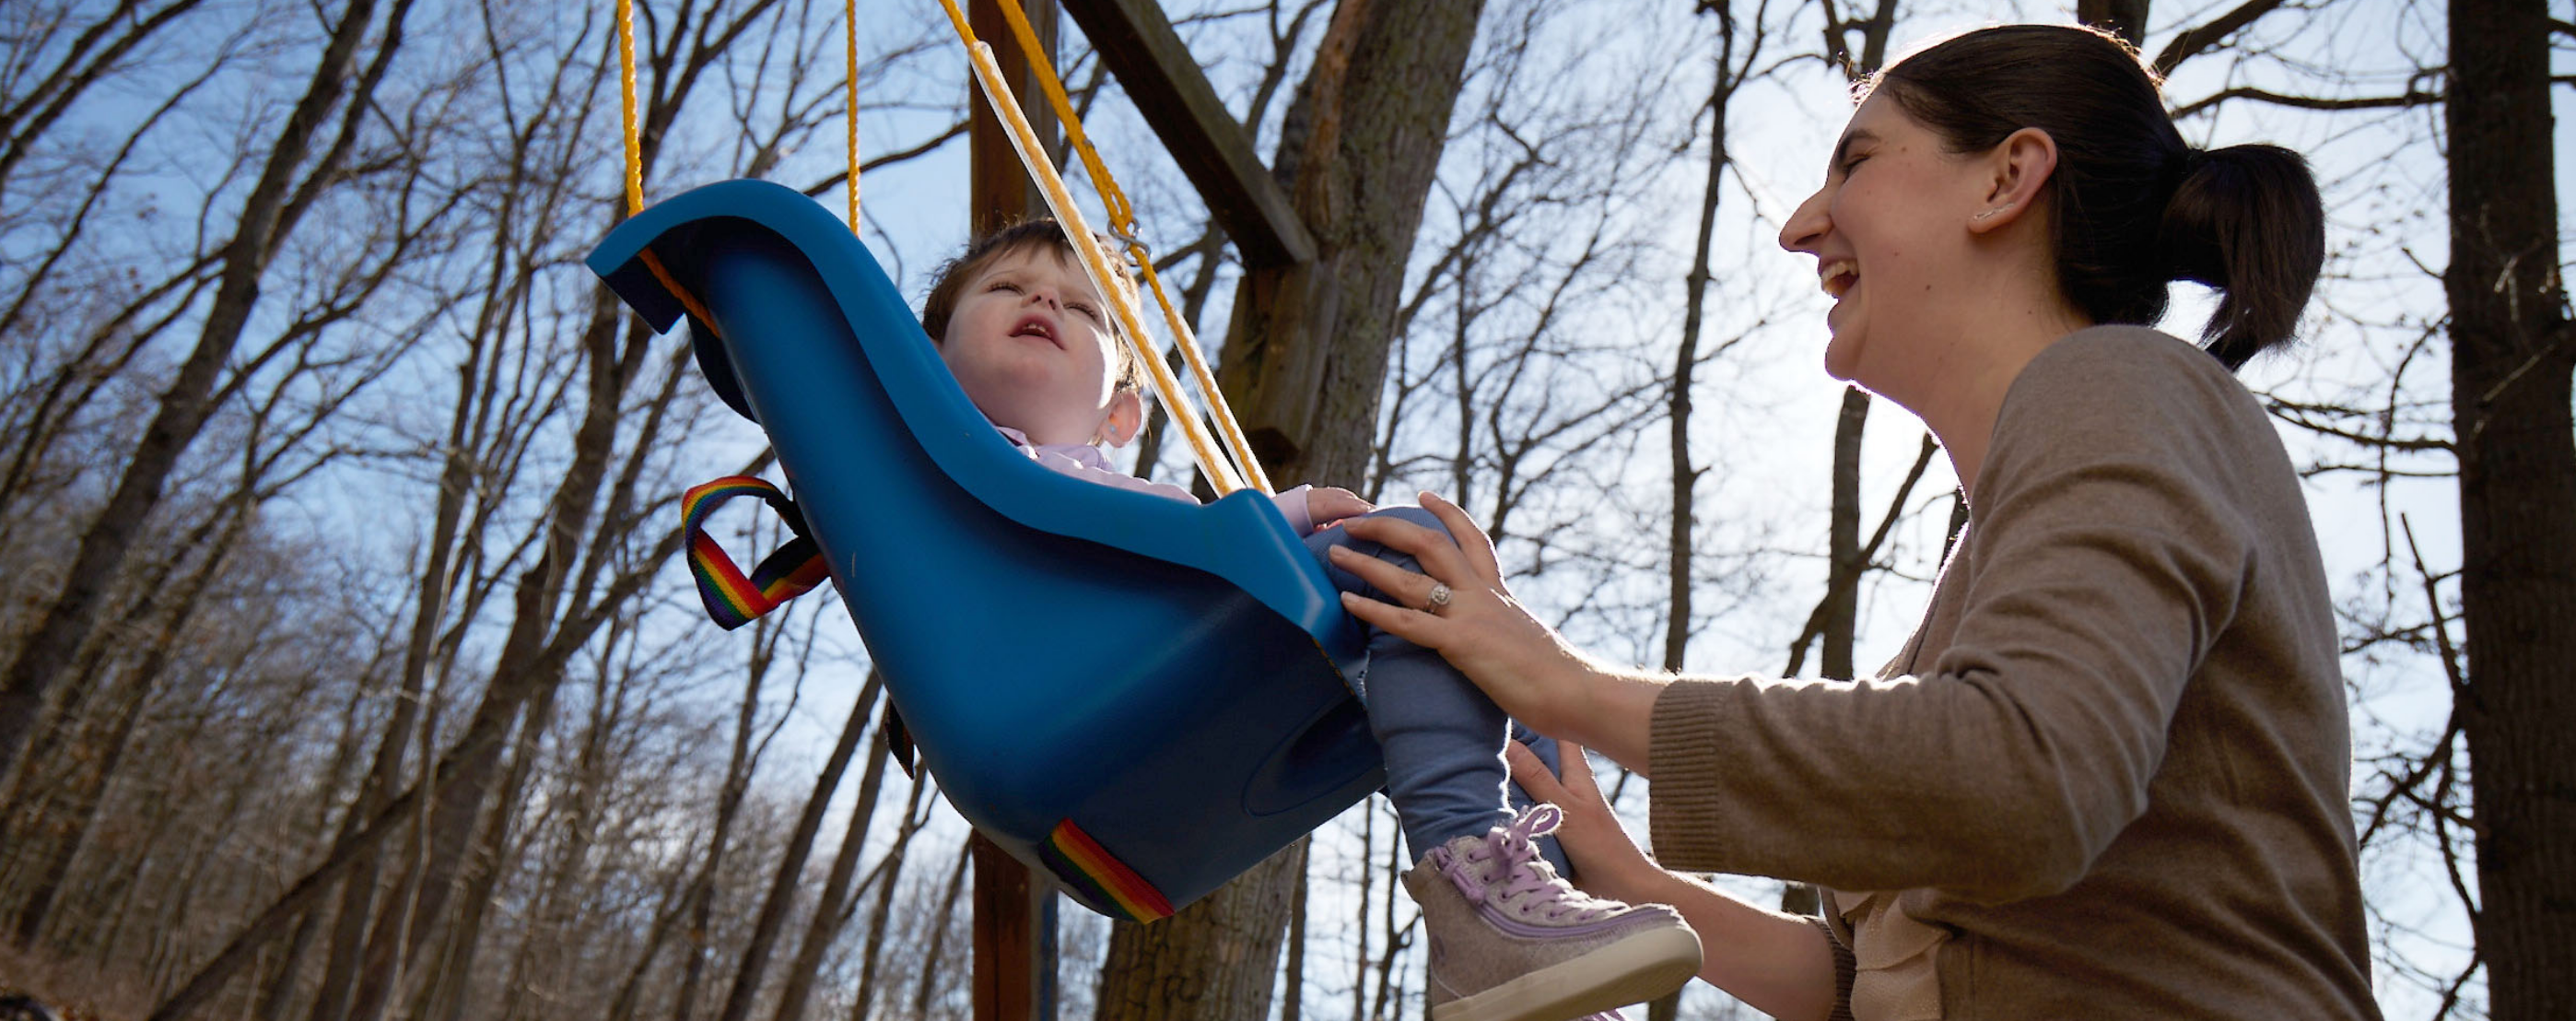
x: 2020, y: 166
x: 1126, y: 416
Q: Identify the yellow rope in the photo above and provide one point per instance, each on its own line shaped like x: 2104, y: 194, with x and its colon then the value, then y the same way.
x: 1024, y: 139
x: 635, y: 163
x: 1122, y: 223
x: 850, y: 60
x: 626, y: 78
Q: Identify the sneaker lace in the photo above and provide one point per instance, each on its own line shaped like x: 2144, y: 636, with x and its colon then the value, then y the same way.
x: 1507, y: 868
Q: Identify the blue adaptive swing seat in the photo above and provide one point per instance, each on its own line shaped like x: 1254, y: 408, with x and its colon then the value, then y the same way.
x: 1139, y: 696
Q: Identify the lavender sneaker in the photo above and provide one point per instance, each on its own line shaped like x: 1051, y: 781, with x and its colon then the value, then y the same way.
x: 1511, y: 941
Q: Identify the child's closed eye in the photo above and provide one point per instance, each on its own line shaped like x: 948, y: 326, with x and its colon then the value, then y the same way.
x: 1086, y: 309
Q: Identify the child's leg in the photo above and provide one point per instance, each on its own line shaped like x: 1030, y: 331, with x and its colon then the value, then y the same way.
x: 1545, y: 748
x: 1442, y: 737
x: 1509, y: 940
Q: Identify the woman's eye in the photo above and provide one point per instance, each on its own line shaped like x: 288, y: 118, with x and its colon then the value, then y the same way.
x: 1854, y: 162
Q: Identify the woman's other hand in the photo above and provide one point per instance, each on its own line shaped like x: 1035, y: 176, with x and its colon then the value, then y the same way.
x: 1609, y: 864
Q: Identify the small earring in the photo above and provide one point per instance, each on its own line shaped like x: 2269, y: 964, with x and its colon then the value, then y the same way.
x: 1988, y: 213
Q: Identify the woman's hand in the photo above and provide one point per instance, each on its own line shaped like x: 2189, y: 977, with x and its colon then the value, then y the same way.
x: 1519, y: 662
x: 1608, y: 862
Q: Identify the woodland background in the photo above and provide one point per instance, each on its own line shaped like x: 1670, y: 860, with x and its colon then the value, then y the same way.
x: 352, y: 675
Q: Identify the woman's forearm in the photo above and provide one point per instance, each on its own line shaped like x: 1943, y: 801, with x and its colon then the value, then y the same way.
x: 1608, y: 710
x: 1780, y: 964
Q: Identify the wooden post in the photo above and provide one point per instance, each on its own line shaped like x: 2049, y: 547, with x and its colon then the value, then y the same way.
x: 1014, y: 939
x: 1000, y: 187
x: 1015, y: 918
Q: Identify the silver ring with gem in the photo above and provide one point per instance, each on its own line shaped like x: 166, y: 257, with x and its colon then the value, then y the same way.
x: 1439, y: 596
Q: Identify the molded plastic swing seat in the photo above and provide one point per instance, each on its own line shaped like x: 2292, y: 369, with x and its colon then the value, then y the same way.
x: 1166, y: 678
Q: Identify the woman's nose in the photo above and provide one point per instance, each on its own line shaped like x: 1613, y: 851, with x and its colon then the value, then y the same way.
x: 1807, y: 225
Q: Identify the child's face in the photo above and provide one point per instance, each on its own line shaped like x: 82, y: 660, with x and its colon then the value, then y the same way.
x: 1030, y: 343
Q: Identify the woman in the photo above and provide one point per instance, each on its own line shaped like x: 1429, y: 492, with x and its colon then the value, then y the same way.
x: 2107, y: 776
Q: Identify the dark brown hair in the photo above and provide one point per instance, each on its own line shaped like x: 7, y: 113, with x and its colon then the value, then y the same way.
x: 1041, y: 234
x: 2132, y: 206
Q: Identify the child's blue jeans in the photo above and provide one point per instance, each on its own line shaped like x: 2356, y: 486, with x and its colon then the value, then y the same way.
x: 1443, y: 739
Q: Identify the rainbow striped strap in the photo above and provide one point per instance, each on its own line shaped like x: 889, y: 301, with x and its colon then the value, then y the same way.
x: 733, y: 600
x: 1099, y: 878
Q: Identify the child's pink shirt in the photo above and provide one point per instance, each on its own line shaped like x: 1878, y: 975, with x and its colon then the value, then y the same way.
x: 1086, y: 462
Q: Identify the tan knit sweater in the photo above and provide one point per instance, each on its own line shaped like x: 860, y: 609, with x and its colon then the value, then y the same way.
x: 2113, y: 761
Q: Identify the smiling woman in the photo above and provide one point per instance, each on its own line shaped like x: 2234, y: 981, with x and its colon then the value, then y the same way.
x: 2107, y: 776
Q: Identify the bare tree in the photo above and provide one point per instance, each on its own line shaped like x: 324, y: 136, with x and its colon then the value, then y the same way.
x: 270, y: 213
x: 2512, y: 355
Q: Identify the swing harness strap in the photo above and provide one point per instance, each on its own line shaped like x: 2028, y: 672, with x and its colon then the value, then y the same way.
x: 733, y: 600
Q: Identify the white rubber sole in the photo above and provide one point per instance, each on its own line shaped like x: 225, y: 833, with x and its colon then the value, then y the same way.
x: 1633, y: 970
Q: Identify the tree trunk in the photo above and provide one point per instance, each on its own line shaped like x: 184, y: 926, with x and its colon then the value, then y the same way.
x: 737, y: 783
x: 881, y: 915
x: 830, y: 910
x: 1359, y: 920
x: 2512, y: 357
x: 940, y: 924
x: 790, y: 876
x: 73, y: 808
x: 1293, y: 984
x: 451, y: 986
x: 1222, y: 965
x: 1845, y: 564
x: 674, y: 903
x: 281, y: 986
x: 1306, y: 349
x: 1685, y: 478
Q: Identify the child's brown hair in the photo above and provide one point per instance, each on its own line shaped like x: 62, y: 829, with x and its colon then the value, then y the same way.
x: 1039, y: 234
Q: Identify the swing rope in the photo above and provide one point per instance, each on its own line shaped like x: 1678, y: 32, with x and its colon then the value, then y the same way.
x: 731, y: 597
x: 1024, y: 141
x: 635, y: 163
x: 850, y: 61
x: 1122, y: 224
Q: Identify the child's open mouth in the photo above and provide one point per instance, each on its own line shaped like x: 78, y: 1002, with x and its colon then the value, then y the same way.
x: 1036, y: 326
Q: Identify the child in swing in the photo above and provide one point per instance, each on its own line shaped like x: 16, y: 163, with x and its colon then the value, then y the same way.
x: 1029, y: 339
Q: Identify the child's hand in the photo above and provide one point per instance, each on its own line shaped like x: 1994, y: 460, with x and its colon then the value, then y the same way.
x: 1328, y: 504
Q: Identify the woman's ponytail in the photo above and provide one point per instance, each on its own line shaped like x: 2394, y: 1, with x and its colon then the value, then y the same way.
x: 2133, y: 208
x: 2247, y: 220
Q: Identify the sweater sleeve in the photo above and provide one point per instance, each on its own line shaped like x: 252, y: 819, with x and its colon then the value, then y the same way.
x: 2103, y: 562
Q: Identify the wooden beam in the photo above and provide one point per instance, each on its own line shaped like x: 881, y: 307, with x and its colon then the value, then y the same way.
x: 999, y: 186
x: 1138, y: 45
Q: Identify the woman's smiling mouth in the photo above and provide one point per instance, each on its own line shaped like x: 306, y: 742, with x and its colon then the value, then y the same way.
x: 1837, y: 276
